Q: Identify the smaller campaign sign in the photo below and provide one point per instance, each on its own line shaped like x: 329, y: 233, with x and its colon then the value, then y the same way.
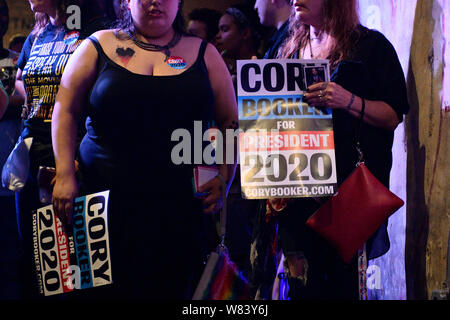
x: 48, y: 258
x: 77, y: 256
x: 286, y: 146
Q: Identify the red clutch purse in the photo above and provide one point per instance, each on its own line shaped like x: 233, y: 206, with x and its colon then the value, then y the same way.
x: 362, y: 204
x: 350, y: 218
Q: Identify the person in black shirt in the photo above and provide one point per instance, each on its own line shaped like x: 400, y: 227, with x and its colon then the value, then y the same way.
x: 271, y: 13
x: 274, y: 13
x: 239, y: 36
x: 364, y: 65
x: 203, y: 23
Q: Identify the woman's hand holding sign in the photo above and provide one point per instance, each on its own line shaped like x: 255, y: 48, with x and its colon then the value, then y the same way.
x: 328, y: 94
x: 331, y: 95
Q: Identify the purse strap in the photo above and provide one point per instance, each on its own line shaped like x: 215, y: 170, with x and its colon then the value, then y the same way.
x: 223, y: 213
x: 358, y: 134
x: 25, y: 109
x: 362, y: 253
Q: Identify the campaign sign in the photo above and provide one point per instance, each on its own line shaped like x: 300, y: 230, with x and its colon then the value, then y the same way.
x: 286, y: 146
x: 73, y: 257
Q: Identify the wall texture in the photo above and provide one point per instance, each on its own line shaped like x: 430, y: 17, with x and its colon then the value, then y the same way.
x: 416, y: 263
x: 395, y: 20
x: 428, y: 211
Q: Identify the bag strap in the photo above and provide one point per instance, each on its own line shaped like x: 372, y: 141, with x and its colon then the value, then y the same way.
x: 358, y: 133
x: 362, y: 253
x: 25, y: 110
x: 223, y: 212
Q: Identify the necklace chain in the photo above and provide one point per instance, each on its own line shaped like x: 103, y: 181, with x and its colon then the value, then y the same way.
x: 155, y: 47
x: 310, y: 48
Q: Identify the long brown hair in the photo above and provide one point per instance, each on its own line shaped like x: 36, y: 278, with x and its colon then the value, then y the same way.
x: 42, y: 19
x: 341, y: 21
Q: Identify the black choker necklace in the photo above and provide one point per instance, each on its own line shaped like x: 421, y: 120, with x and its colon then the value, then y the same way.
x: 154, y: 47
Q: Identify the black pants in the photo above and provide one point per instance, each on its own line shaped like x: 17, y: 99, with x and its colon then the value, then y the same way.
x: 328, y: 277
x: 9, y: 249
x: 240, y: 218
x: 27, y: 201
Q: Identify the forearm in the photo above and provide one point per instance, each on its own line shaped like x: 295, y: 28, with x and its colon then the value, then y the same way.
x: 330, y: 94
x: 225, y: 112
x: 376, y: 113
x: 20, y: 89
x: 77, y: 80
x: 228, y: 127
x: 64, y: 130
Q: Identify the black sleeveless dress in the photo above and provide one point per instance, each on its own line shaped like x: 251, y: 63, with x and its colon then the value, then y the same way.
x: 155, y: 223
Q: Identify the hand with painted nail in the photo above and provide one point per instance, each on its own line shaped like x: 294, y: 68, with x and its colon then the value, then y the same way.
x: 64, y: 192
x: 213, y: 201
x: 327, y: 94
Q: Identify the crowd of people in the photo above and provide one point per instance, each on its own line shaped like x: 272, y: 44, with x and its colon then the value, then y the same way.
x: 106, y: 123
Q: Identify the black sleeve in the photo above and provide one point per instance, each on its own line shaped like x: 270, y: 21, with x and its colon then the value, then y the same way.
x: 386, y: 73
x: 25, y: 54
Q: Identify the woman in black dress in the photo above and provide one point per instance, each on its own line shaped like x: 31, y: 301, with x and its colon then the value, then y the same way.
x: 145, y: 84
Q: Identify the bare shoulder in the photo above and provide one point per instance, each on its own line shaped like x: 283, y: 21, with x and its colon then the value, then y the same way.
x: 219, y: 74
x: 213, y: 59
x: 211, y: 51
